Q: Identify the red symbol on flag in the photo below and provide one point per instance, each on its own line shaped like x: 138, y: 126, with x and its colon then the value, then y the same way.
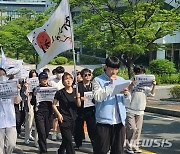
x: 44, y: 41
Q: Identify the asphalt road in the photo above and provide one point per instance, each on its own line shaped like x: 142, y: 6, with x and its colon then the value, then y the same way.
x: 160, y: 134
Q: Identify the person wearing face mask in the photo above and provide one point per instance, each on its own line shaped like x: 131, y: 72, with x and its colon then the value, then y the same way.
x: 29, y: 112
x: 57, y: 83
x: 8, y: 133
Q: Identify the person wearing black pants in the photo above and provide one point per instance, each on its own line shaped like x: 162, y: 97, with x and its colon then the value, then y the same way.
x: 85, y: 113
x: 66, y: 112
x: 43, y: 115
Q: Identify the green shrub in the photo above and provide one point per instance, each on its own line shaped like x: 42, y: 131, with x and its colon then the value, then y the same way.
x: 53, y: 62
x: 175, y: 91
x: 162, y: 66
x: 61, y: 60
x: 71, y: 62
x: 167, y: 79
x: 98, y: 71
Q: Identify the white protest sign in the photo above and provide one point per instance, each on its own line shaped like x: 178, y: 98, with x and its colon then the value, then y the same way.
x: 45, y: 94
x: 15, y: 63
x: 144, y: 80
x: 8, y: 88
x: 88, y: 96
x: 23, y: 73
x: 32, y: 83
x: 120, y: 87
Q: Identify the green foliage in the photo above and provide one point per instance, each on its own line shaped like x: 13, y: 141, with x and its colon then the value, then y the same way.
x: 71, y: 62
x: 53, y: 62
x: 124, y: 28
x: 175, y: 91
x: 89, y: 60
x: 168, y: 79
x: 61, y: 60
x: 162, y: 66
x: 98, y: 71
x: 13, y: 34
x: 68, y: 55
x: 122, y: 72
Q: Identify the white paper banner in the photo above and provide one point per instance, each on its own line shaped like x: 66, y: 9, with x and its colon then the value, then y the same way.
x: 88, y: 96
x: 144, y: 80
x: 120, y: 87
x: 23, y: 73
x: 45, y: 94
x: 8, y: 88
x: 32, y: 83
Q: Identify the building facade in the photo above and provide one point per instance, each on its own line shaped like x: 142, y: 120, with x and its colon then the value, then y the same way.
x: 9, y: 7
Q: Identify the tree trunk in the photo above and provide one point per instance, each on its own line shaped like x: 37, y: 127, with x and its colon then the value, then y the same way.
x: 130, y: 69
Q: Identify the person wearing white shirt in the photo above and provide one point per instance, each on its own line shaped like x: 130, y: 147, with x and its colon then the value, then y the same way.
x: 135, y: 111
x: 57, y: 83
x: 8, y: 134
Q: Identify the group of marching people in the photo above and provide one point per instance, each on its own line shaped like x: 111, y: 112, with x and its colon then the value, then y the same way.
x: 110, y: 119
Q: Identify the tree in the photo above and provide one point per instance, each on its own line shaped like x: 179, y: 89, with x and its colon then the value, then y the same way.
x: 125, y: 28
x: 14, y: 34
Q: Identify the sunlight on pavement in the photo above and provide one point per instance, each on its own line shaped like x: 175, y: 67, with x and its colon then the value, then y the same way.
x: 147, y: 152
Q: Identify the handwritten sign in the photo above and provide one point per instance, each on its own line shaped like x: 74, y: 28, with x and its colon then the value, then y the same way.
x: 88, y: 99
x: 8, y: 88
x: 144, y: 80
x: 32, y: 83
x: 45, y: 94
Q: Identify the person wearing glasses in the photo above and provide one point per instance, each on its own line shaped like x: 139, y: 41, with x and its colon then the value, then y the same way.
x: 110, y: 109
x: 86, y: 113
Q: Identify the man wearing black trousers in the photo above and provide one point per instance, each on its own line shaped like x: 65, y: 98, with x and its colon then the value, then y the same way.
x: 87, y: 111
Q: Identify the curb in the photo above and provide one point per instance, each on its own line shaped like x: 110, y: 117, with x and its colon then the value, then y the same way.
x: 174, y: 113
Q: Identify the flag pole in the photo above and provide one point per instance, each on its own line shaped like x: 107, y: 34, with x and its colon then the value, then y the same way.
x: 74, y: 54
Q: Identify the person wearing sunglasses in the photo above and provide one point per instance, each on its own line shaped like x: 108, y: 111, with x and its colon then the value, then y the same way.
x: 86, y: 113
x: 110, y: 109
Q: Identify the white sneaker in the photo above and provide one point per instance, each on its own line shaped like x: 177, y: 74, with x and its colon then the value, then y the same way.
x: 54, y: 138
x: 129, y: 151
x: 137, y: 151
x: 59, y: 136
x: 31, y: 138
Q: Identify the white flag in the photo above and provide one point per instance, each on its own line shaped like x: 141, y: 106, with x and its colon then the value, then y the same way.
x: 3, y: 59
x: 55, y: 36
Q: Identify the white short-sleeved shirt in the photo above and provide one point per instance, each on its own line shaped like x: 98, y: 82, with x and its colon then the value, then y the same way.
x: 56, y: 83
x: 7, y: 113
